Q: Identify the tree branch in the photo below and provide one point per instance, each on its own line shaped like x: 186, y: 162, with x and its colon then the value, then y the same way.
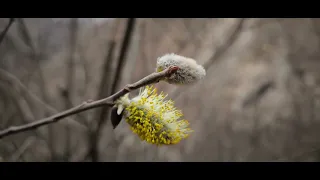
x: 150, y: 79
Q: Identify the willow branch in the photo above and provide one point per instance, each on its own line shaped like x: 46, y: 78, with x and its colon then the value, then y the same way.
x: 109, y: 101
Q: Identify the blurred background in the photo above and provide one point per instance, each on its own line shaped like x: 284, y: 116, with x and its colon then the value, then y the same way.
x: 259, y: 101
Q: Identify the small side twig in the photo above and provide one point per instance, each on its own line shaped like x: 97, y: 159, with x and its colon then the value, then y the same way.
x: 150, y: 79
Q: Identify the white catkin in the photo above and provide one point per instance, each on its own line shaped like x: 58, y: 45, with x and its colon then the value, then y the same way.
x: 189, y: 71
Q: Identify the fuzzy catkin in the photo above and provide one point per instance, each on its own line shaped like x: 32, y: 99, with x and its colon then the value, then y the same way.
x: 189, y: 71
x: 153, y: 118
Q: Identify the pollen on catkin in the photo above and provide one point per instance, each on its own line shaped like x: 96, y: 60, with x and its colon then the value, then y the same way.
x: 189, y: 71
x: 154, y: 119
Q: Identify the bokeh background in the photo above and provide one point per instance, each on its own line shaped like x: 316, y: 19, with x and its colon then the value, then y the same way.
x: 259, y: 101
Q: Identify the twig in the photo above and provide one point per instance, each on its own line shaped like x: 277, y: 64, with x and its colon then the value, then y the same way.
x: 150, y: 79
x: 6, y: 29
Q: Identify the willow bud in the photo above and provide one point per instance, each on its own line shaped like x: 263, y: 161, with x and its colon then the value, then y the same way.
x: 189, y: 71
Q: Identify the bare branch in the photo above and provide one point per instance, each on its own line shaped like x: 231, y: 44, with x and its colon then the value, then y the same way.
x: 6, y: 29
x: 150, y: 79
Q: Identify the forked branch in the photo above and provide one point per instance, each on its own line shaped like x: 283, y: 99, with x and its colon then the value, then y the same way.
x: 150, y: 79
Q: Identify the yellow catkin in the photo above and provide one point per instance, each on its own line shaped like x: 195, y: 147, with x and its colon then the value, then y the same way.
x: 155, y: 120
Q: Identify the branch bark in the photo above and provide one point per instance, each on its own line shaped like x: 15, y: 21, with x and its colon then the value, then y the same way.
x: 150, y: 79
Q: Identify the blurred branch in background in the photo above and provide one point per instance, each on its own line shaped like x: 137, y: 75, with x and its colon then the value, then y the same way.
x: 70, y: 70
x: 14, y: 82
x: 6, y: 29
x: 35, y: 55
x: 103, y: 91
x: 102, y: 115
x: 19, y: 152
x: 220, y: 50
x: 67, y: 93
